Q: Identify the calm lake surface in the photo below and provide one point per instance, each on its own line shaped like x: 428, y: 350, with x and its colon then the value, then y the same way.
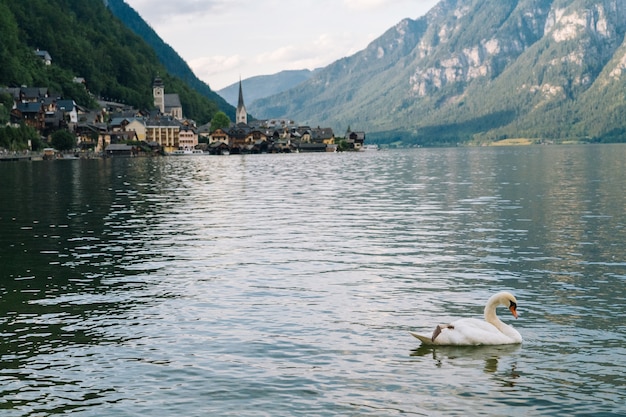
x: 285, y: 285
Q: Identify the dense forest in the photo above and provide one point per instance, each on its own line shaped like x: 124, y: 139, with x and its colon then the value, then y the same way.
x: 174, y: 64
x: 86, y: 40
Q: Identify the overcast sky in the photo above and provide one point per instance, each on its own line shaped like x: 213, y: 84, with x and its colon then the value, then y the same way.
x: 222, y: 40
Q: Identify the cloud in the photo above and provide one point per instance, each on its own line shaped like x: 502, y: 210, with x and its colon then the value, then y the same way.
x: 162, y: 11
x: 371, y: 5
x: 364, y: 4
x: 312, y: 54
x: 207, y: 68
x: 224, y: 39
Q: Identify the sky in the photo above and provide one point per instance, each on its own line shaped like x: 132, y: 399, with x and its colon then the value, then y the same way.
x: 223, y: 40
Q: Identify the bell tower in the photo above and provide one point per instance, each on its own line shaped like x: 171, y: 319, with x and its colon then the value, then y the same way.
x: 158, y: 92
x: 242, y: 114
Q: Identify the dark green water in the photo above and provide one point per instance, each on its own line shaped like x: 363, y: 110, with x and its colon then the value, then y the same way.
x: 286, y: 284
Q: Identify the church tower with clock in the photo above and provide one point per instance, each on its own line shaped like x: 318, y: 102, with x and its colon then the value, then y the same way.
x: 158, y: 91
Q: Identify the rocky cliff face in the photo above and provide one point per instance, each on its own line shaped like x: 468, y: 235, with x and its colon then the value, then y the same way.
x: 468, y: 62
x: 487, y: 56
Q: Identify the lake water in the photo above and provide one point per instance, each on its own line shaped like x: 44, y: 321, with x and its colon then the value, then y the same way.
x: 286, y: 285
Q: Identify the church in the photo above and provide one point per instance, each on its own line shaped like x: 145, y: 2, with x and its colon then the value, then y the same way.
x: 242, y: 114
x: 168, y: 104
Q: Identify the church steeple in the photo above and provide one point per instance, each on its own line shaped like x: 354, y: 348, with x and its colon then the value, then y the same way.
x: 242, y: 114
x: 158, y: 92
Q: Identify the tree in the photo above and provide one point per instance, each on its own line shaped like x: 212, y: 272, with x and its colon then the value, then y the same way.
x: 6, y: 102
x: 18, y: 139
x: 220, y: 121
x: 63, y: 140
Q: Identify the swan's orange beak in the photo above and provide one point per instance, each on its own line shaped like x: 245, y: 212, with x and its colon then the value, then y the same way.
x: 513, y: 309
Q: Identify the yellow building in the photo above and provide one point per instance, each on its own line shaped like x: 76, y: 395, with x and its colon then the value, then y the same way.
x: 165, y: 131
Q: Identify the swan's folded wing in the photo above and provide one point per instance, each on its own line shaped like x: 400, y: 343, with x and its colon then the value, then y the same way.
x: 427, y: 340
x: 472, y: 332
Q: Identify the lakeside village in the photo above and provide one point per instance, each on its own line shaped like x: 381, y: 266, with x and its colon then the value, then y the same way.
x: 116, y: 129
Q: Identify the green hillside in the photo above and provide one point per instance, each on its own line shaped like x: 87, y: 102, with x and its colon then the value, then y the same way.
x: 174, y: 64
x: 477, y: 71
x: 85, y: 40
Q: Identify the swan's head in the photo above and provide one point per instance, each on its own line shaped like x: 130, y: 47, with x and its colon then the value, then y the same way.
x: 508, y: 300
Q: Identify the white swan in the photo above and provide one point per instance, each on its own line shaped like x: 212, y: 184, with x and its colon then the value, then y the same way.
x: 472, y: 332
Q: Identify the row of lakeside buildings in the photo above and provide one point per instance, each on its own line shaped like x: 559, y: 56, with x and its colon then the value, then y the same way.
x: 165, y: 129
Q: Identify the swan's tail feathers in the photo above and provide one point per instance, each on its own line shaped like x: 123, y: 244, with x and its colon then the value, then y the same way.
x: 427, y: 340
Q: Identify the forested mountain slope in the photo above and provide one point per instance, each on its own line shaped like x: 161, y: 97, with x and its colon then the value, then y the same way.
x: 477, y: 70
x: 168, y: 57
x: 85, y: 40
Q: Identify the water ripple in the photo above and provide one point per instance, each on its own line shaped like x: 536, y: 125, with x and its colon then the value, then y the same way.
x: 286, y: 284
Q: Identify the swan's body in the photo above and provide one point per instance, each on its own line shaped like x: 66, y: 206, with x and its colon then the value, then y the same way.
x: 472, y: 332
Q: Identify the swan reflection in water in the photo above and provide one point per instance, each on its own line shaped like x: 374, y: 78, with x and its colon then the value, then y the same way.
x: 489, y: 356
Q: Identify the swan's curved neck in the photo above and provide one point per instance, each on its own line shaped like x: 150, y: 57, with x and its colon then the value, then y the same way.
x: 491, y: 316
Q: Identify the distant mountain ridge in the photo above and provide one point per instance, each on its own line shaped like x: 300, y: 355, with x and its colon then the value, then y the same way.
x: 477, y: 70
x: 262, y: 86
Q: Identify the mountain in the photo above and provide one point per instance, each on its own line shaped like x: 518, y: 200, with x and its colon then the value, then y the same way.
x: 84, y: 39
x: 174, y: 64
x: 263, y: 86
x: 477, y: 70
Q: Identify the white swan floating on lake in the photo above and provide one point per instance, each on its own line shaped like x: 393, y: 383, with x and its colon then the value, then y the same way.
x: 474, y: 332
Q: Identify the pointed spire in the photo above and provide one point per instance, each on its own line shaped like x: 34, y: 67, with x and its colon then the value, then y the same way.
x: 240, y: 103
x: 242, y: 114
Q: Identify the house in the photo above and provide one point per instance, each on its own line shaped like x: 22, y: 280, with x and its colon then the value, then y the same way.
x: 103, y: 141
x: 316, y: 139
x: 218, y: 136
x: 33, y: 94
x: 187, y: 138
x: 32, y: 114
x: 204, y: 131
x: 118, y: 124
x: 281, y: 146
x: 52, y: 117
x: 120, y: 150
x: 122, y: 137
x: 355, y: 140
x: 219, y: 148
x: 69, y: 110
x: 237, y: 137
x: 138, y: 126
x: 256, y: 135
x: 49, y: 153
x: 257, y: 141
x: 244, y: 139
x: 312, y: 147
x: 89, y: 136
x: 129, y: 124
x: 45, y: 56
x: 323, y: 135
